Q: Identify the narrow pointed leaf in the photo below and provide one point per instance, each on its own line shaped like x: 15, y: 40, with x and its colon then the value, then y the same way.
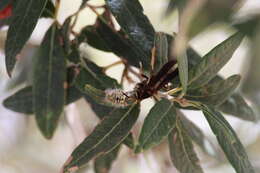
x: 104, y: 162
x: 25, y: 16
x: 129, y: 14
x: 104, y: 138
x: 48, y: 82
x: 182, y: 152
x: 22, y: 100
x: 236, y: 105
x: 103, y: 37
x: 92, y: 75
x: 183, y: 71
x: 196, y: 134
x: 157, y: 125
x: 228, y: 141
x: 103, y: 111
x: 212, y: 62
x: 161, y: 51
x: 215, y: 92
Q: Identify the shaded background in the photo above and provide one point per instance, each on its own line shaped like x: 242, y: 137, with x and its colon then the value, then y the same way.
x: 23, y: 149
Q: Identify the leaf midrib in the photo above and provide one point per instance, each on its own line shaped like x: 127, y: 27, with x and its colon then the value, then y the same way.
x: 157, y: 124
x: 102, y: 139
x: 194, y: 166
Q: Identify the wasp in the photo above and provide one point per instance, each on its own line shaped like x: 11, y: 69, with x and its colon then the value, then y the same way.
x: 148, y: 87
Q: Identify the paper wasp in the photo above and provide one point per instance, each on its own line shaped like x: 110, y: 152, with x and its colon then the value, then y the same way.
x: 148, y: 87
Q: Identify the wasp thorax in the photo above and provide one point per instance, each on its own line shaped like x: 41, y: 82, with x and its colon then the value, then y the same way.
x: 117, y: 97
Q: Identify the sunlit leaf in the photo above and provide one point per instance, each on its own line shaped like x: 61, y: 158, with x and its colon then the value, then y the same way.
x: 157, y: 125
x: 25, y: 16
x: 213, y: 61
x: 106, y: 136
x: 48, y: 82
x: 183, y: 71
x: 182, y: 153
x: 215, y: 92
x: 161, y: 51
x: 228, y: 141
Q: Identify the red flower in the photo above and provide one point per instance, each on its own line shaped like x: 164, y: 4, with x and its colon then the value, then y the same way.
x: 6, y: 12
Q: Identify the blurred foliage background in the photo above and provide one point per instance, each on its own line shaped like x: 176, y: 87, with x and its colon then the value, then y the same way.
x: 22, y: 147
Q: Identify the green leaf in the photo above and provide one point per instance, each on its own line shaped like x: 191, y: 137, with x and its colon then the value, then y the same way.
x: 48, y: 82
x: 104, y: 138
x: 211, y: 63
x: 182, y: 153
x: 65, y: 31
x: 103, y: 37
x: 22, y: 100
x: 104, y: 162
x: 183, y: 71
x: 49, y: 10
x: 25, y: 16
x: 215, y: 92
x: 196, y: 134
x: 129, y: 14
x: 157, y: 125
x: 103, y: 111
x: 161, y: 51
x: 94, y: 39
x: 235, y: 105
x: 228, y: 141
x: 93, y: 75
x: 3, y: 4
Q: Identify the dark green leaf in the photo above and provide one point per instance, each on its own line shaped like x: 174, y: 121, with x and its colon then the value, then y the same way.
x: 215, y: 92
x: 3, y: 4
x: 104, y: 162
x: 25, y: 16
x: 182, y: 153
x: 102, y: 111
x: 235, y: 105
x: 94, y: 39
x: 103, y: 37
x: 65, y: 31
x: 49, y: 10
x: 104, y: 138
x: 22, y: 100
x: 129, y: 14
x: 48, y: 82
x: 196, y: 134
x: 211, y: 63
x: 161, y: 51
x: 157, y: 125
x: 228, y: 141
x: 92, y: 75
